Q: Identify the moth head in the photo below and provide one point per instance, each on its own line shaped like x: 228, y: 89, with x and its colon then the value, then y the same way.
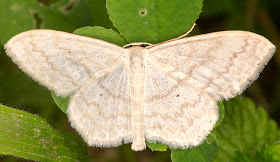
x: 140, y: 44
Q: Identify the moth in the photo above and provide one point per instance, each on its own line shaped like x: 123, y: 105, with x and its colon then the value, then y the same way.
x: 165, y: 93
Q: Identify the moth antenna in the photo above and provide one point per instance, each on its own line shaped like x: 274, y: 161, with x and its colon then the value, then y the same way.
x: 182, y: 36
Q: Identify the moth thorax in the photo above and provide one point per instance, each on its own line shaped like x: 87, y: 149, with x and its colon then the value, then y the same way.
x: 136, y: 58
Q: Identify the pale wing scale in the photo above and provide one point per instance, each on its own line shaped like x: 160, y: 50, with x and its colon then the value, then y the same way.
x: 221, y: 64
x: 66, y: 61
x: 176, y: 114
x: 101, y: 110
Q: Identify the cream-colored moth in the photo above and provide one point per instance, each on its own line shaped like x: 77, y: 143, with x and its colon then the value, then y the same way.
x: 164, y: 93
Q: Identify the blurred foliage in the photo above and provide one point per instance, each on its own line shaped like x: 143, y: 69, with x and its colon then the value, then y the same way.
x: 270, y: 153
x: 244, y: 129
x: 260, y: 16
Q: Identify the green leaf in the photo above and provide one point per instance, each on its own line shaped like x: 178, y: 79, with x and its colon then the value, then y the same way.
x: 20, y: 15
x: 244, y: 128
x: 157, y: 146
x: 153, y: 21
x: 29, y: 136
x: 95, y: 32
x: 221, y: 113
x: 207, y: 151
x: 61, y: 102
